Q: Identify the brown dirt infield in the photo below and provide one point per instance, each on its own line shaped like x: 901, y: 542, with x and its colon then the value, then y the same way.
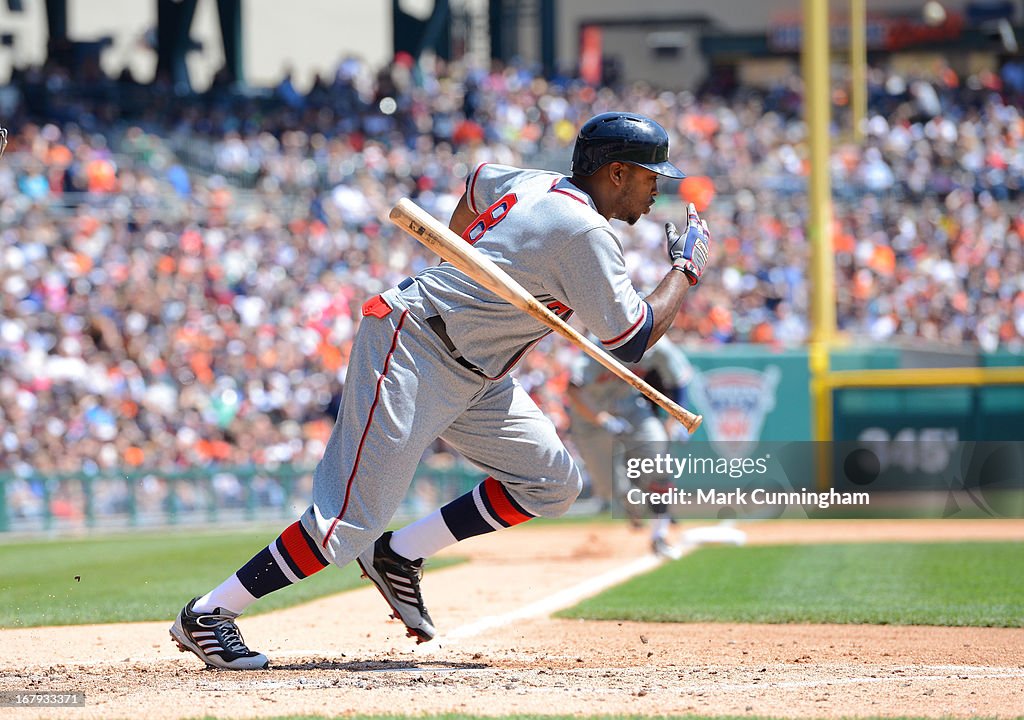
x: 339, y: 655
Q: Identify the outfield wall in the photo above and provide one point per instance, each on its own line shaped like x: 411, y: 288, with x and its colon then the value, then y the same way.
x: 750, y: 392
x: 746, y: 393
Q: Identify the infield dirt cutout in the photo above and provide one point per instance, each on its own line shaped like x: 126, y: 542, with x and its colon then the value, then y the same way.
x: 340, y: 655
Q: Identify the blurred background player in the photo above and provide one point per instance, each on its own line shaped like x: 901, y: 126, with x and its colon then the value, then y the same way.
x: 609, y: 417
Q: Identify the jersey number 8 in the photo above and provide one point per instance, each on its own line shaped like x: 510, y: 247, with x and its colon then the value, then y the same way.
x: 489, y: 218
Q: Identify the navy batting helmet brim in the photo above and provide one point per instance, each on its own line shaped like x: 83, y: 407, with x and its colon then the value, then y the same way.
x: 665, y: 168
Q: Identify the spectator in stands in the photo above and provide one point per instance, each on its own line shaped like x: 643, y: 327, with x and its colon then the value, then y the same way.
x: 182, y: 287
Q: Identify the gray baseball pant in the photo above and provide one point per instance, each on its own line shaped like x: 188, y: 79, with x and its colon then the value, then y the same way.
x: 402, y: 391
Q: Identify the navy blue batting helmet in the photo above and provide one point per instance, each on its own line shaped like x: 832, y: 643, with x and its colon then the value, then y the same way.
x: 622, y: 137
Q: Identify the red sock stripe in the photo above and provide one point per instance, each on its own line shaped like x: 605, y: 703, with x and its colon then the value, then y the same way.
x: 366, y: 429
x: 503, y: 503
x: 298, y: 549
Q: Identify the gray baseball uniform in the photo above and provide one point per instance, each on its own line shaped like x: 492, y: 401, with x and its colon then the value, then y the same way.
x: 431, y: 359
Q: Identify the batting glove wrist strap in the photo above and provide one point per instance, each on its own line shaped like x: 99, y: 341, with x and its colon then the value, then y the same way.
x: 689, y: 270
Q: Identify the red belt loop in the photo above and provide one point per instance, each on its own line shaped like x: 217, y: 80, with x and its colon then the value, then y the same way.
x: 376, y: 306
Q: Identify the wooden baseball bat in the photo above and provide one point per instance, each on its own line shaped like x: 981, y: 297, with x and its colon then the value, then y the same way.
x: 439, y: 238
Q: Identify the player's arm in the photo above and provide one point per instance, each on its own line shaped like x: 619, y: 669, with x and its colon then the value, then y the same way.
x: 665, y: 302
x: 591, y: 276
x: 581, y: 405
x: 462, y: 216
x: 689, y: 255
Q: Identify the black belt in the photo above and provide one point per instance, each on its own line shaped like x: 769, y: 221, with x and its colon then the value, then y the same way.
x: 437, y: 325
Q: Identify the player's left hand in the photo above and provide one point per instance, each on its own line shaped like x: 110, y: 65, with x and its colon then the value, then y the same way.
x: 689, y: 252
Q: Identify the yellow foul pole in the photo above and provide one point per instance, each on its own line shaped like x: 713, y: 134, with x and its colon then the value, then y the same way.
x: 817, y: 106
x: 858, y: 67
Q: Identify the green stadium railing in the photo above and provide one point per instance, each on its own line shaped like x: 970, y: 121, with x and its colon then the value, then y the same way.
x: 36, y: 502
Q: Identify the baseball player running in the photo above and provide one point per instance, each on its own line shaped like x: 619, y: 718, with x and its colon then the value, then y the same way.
x: 607, y: 414
x: 431, y: 359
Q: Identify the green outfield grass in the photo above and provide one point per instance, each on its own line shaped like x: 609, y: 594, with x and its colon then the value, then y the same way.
x: 961, y: 584
x: 145, y: 576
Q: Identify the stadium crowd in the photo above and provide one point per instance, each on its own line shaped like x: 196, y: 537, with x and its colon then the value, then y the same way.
x: 181, y: 275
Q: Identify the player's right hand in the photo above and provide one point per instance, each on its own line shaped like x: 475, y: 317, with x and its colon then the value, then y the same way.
x: 689, y: 252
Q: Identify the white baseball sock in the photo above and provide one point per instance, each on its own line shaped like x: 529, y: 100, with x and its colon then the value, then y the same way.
x: 659, y: 528
x: 230, y: 595
x: 423, y: 538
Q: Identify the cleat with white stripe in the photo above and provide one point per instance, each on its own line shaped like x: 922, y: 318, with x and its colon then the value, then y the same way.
x: 215, y: 639
x: 398, y: 580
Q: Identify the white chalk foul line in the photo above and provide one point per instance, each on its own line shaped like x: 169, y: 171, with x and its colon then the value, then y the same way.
x: 545, y: 606
x: 557, y: 601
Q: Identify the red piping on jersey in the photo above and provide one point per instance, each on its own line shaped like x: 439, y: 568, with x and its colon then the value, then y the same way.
x: 633, y: 327
x: 569, y: 194
x: 366, y: 430
x: 566, y: 192
x: 472, y: 188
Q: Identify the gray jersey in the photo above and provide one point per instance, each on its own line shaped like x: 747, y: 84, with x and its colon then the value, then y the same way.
x: 547, y: 234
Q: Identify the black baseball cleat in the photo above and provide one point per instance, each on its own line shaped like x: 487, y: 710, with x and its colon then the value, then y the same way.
x: 398, y: 580
x: 215, y: 639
